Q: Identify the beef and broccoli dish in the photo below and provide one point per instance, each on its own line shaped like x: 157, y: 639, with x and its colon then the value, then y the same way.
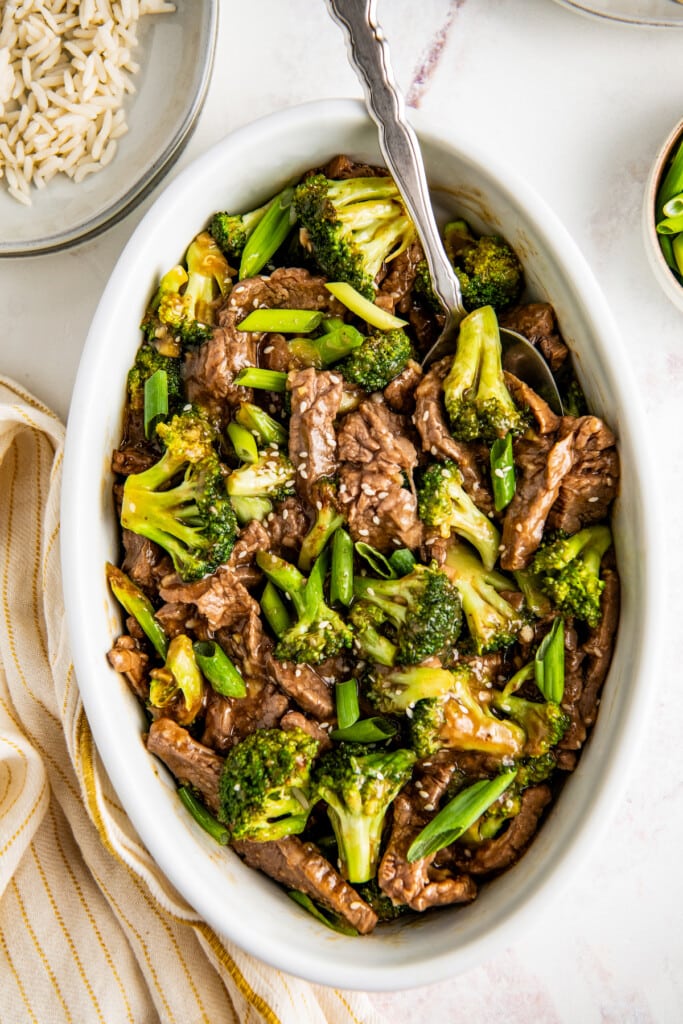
x: 369, y: 607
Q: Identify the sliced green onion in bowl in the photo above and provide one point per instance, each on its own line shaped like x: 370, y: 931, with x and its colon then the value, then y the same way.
x: 346, y: 701
x: 367, y: 730
x: 458, y: 815
x: 673, y: 207
x: 283, y: 321
x: 549, y: 663
x: 502, y: 472
x: 362, y: 307
x: 155, y: 400
x: 243, y: 441
x: 667, y: 226
x: 265, y: 380
x: 378, y: 562
x: 333, y: 921
x: 217, y: 667
x: 203, y: 817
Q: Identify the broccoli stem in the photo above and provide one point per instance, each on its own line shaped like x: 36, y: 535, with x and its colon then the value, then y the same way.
x: 358, y: 838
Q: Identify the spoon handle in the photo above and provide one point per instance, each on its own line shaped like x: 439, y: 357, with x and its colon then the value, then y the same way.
x: 369, y: 56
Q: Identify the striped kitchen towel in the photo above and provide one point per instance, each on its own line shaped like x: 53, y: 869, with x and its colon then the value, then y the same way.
x: 90, y: 929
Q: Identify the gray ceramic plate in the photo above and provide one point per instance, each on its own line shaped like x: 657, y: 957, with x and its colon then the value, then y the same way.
x: 634, y: 12
x: 176, y: 56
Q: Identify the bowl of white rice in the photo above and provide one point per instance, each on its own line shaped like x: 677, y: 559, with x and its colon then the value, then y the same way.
x: 97, y: 100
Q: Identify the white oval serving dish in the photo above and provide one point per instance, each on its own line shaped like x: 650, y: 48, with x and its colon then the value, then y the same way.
x: 243, y: 905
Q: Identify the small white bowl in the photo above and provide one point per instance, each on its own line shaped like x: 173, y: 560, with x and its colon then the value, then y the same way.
x: 242, y: 904
x: 671, y: 286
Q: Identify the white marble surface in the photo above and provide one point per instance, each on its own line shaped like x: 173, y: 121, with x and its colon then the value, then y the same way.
x: 579, y: 108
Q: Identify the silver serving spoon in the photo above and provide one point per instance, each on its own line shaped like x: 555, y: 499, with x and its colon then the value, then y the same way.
x: 369, y: 56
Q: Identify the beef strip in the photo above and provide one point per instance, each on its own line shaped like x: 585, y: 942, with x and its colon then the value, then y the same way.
x: 316, y: 397
x: 210, y: 370
x: 526, y: 398
x: 133, y: 458
x: 400, y: 393
x: 128, y: 658
x: 544, y: 464
x: 300, y: 865
x: 285, y: 288
x: 144, y: 561
x: 430, y: 421
x: 228, y: 720
x: 286, y: 526
x: 295, y: 720
x: 417, y: 884
x: 376, y: 453
x: 536, y: 321
x: 341, y: 166
x: 191, y: 762
x: 591, y: 484
x: 394, y: 291
x: 501, y: 852
x: 303, y: 684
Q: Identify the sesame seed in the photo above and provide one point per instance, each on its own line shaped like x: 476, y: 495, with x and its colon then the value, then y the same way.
x: 303, y: 473
x: 268, y: 349
x: 383, y: 494
x: 425, y: 416
x: 518, y: 527
x: 303, y: 454
x: 285, y: 513
x: 376, y: 520
x: 429, y: 807
x: 526, y: 634
x: 409, y: 712
x: 364, y: 533
x: 593, y: 498
x: 434, y: 450
x: 303, y: 407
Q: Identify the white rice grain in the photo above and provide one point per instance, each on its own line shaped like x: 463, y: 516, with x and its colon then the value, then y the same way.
x: 65, y: 69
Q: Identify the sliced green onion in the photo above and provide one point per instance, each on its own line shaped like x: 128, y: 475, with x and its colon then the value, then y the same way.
x: 341, y: 577
x: 156, y: 400
x: 667, y: 226
x: 458, y: 815
x: 674, y: 206
x: 502, y: 471
x: 275, y: 610
x: 243, y: 441
x: 203, y: 817
x: 402, y: 561
x: 672, y: 184
x: 266, y: 380
x: 137, y: 604
x: 677, y: 248
x: 266, y: 429
x: 376, y: 560
x: 331, y: 324
x: 284, y: 321
x: 362, y: 307
x: 346, y: 700
x: 333, y: 921
x: 522, y: 675
x: 549, y: 663
x: 268, y: 235
x: 367, y: 730
x: 317, y: 537
x: 328, y: 348
x: 224, y: 677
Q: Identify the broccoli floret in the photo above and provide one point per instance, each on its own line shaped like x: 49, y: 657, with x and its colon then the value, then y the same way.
x: 573, y: 399
x: 423, y: 287
x: 493, y: 621
x: 319, y: 632
x: 443, y: 503
x: 569, y: 571
x: 538, y: 603
x: 462, y: 720
x: 231, y: 230
x: 179, y: 675
x: 183, y: 308
x: 358, y: 788
x: 271, y: 476
x: 265, y: 784
x: 544, y: 723
x: 396, y: 691
x: 148, y: 360
x: 352, y: 227
x: 193, y: 519
x: 488, y: 269
x: 477, y: 400
x: 422, y: 609
x: 370, y: 644
x: 375, y: 363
